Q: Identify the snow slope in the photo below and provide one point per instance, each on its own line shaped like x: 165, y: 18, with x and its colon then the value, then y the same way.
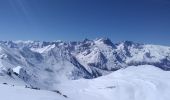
x: 144, y: 82
x: 14, y: 88
x: 20, y: 93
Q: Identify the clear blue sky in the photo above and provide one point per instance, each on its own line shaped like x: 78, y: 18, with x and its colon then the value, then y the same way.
x: 145, y: 21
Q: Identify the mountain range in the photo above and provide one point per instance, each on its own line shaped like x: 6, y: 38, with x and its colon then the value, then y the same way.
x: 44, y: 64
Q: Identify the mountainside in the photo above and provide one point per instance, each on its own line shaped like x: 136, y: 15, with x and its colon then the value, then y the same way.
x: 144, y: 82
x: 44, y: 64
x: 21, y: 93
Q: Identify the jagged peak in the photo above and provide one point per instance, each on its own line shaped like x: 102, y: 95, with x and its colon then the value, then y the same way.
x: 86, y: 39
x: 128, y: 43
x: 106, y: 41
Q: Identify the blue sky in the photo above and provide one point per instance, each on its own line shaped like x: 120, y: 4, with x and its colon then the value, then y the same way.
x: 144, y: 21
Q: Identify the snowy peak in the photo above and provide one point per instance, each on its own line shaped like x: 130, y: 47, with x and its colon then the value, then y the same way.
x: 105, y: 41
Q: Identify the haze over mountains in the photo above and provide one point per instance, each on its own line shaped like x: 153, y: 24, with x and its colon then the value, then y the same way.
x: 45, y: 65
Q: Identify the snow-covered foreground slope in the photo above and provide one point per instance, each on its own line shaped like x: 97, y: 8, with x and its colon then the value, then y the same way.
x: 14, y: 88
x: 133, y: 83
x: 143, y: 82
x: 20, y: 93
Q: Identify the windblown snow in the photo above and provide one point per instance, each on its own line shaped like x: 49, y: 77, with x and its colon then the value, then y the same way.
x: 90, y: 69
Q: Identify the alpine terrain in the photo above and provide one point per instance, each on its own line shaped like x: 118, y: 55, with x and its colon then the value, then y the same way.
x: 84, y: 70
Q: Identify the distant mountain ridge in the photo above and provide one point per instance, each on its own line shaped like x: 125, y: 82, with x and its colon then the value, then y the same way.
x: 45, y: 63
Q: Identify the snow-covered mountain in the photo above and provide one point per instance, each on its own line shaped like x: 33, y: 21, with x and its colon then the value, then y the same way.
x: 144, y: 82
x: 44, y: 64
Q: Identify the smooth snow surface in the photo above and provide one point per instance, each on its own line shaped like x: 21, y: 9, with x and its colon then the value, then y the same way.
x: 133, y: 83
x: 21, y: 93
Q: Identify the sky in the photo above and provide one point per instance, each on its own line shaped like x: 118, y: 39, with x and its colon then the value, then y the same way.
x: 143, y: 21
